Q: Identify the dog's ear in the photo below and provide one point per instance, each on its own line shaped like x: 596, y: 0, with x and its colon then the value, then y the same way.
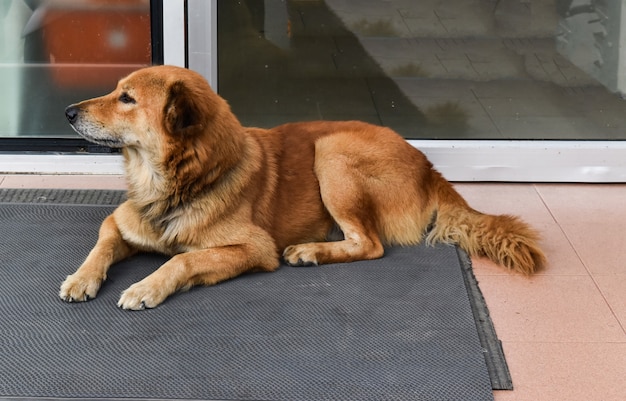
x: 183, y: 115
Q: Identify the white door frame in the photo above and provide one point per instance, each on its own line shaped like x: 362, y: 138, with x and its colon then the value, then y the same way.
x: 504, y: 161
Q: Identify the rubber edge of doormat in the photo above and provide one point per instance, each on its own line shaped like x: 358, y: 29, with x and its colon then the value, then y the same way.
x: 494, y: 353
x: 63, y: 196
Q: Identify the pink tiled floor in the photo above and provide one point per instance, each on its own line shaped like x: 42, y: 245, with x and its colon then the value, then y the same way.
x: 564, y: 329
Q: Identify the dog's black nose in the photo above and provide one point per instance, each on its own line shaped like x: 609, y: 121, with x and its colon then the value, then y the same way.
x: 71, y: 113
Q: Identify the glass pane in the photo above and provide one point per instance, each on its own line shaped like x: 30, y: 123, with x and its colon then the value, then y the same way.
x: 56, y: 52
x: 445, y: 69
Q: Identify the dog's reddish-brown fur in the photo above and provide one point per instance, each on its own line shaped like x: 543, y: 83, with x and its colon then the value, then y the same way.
x: 223, y: 199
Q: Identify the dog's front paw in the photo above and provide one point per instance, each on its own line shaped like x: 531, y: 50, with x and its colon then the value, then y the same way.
x: 300, y: 255
x: 77, y: 288
x: 141, y: 296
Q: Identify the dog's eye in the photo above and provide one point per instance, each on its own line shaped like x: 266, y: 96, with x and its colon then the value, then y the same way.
x: 126, y: 98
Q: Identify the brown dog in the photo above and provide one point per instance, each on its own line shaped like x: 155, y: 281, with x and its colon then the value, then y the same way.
x: 223, y: 199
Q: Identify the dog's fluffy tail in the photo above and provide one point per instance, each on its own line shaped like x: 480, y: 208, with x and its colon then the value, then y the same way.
x: 506, y: 240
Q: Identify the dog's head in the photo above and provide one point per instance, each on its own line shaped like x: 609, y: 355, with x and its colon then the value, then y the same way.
x: 148, y: 105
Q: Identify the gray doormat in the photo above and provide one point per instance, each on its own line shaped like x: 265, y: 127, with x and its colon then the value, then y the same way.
x: 398, y: 328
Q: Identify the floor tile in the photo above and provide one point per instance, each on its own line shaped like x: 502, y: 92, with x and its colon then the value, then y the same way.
x: 614, y: 289
x: 592, y: 218
x: 565, y: 372
x: 547, y: 308
x: 519, y: 199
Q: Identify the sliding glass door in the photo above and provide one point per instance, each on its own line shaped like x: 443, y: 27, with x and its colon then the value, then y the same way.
x: 508, y: 90
x: 454, y: 69
x: 508, y: 86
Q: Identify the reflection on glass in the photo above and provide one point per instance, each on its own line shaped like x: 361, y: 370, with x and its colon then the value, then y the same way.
x: 454, y: 69
x: 56, y: 52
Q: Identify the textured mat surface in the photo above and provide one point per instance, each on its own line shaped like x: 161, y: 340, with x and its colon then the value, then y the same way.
x: 398, y: 328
